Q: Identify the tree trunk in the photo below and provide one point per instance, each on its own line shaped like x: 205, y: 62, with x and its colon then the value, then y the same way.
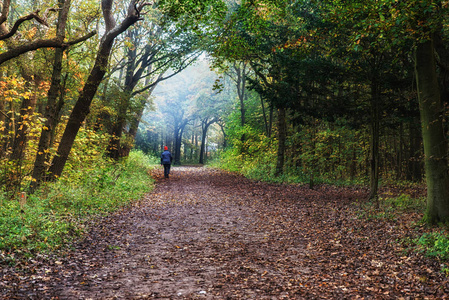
x: 51, y: 116
x: 270, y: 123
x: 434, y: 140
x: 193, y: 143
x: 400, y: 154
x: 10, y: 127
x: 4, y: 121
x: 3, y: 116
x: 205, y: 126
x: 80, y: 111
x: 134, y: 126
x: 240, y: 81
x: 21, y: 136
x: 225, y: 138
x: 179, y: 130
x: 353, y: 164
x: 264, y: 113
x: 26, y: 112
x: 203, y: 143
x: 82, y: 106
x: 281, y: 142
x: 196, y: 145
x: 414, y: 164
x: 115, y: 147
x: 374, y: 142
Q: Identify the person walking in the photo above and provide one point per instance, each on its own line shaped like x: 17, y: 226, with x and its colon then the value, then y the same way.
x: 166, y: 160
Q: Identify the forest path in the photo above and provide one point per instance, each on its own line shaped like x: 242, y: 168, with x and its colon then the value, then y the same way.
x: 207, y: 234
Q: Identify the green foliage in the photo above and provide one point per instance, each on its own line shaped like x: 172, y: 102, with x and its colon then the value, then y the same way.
x: 58, y: 211
x: 405, y: 202
x: 88, y: 149
x: 254, y: 157
x: 390, y: 207
x: 434, y: 244
x: 319, y: 151
x: 260, y: 166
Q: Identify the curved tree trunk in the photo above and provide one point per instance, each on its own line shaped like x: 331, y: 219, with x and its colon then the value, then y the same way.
x: 178, y: 141
x: 80, y: 111
x: 53, y: 107
x: 205, y: 126
x: 51, y: 114
x: 82, y: 106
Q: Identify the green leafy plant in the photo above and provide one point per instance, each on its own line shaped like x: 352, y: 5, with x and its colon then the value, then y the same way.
x: 434, y: 244
x: 58, y: 212
x: 405, y: 202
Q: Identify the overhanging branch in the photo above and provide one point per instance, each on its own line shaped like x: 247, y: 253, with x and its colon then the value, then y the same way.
x: 81, y: 39
x: 50, y: 43
x: 33, y: 15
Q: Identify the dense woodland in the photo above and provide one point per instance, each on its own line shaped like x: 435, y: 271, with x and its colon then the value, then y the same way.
x: 352, y: 92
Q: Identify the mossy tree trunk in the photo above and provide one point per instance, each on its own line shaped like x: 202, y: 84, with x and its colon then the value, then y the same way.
x: 434, y: 140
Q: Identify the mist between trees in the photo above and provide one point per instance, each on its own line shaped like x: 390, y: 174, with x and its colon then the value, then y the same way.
x: 296, y: 91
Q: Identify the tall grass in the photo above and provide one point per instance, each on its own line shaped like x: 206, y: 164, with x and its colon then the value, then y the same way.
x: 58, y: 212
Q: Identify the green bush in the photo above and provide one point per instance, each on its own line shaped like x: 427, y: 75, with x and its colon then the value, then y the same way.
x: 255, y: 158
x: 435, y: 244
x: 59, y: 211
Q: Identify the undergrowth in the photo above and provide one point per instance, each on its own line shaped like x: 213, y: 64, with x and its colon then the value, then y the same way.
x: 260, y: 164
x: 390, y: 207
x: 434, y: 244
x: 58, y: 212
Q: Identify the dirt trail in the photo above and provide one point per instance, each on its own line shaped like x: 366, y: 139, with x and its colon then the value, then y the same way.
x: 206, y: 234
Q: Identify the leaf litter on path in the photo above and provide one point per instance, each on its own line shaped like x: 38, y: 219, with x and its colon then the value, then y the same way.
x: 208, y: 234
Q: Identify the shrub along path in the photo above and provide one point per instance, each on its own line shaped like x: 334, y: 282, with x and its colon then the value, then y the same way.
x: 207, y: 234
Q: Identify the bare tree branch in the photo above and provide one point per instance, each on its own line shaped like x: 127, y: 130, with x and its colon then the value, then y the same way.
x: 5, y: 114
x: 33, y: 15
x: 50, y: 43
x: 81, y: 39
x: 185, y: 64
x: 47, y: 11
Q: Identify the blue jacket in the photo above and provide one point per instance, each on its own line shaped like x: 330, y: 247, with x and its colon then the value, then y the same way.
x: 166, y: 158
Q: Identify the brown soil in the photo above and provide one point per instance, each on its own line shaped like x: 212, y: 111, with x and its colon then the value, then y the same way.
x: 207, y: 234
